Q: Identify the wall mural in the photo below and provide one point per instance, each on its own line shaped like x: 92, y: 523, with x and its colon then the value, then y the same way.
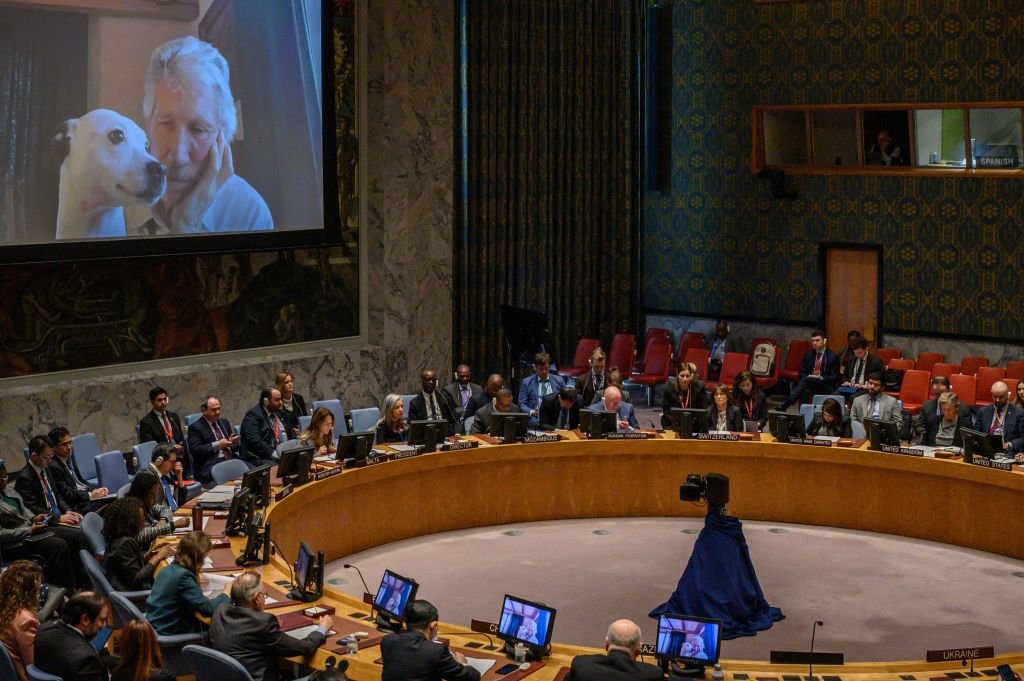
x: 57, y: 316
x: 718, y: 243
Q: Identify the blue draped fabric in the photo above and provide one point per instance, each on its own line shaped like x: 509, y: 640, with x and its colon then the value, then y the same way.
x: 720, y: 582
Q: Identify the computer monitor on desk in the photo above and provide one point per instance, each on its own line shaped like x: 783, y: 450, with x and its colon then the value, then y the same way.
x: 257, y: 481
x: 882, y: 432
x: 309, y: 575
x: 428, y: 433
x: 692, y: 641
x: 354, y: 447
x: 393, y: 595
x: 784, y: 425
x: 295, y: 462
x: 528, y: 623
x: 510, y: 426
x: 978, y: 443
x: 688, y: 422
x: 595, y: 424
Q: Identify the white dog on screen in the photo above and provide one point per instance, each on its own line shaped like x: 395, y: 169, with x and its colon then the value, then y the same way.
x: 105, y: 165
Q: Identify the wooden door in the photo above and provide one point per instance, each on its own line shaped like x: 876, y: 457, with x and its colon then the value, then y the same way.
x: 851, y: 294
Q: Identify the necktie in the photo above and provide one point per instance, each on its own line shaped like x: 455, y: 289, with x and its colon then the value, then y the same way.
x: 465, y: 396
x: 433, y: 406
x: 79, y: 483
x: 563, y: 420
x: 874, y: 408
x: 217, y: 432
x: 277, y: 429
x: 817, y: 363
x: 51, y: 500
x: 169, y: 495
x: 856, y: 371
x: 997, y: 423
x: 543, y: 387
x: 167, y: 428
x: 599, y: 381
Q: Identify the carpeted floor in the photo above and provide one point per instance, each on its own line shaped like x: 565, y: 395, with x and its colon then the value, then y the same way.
x: 881, y: 597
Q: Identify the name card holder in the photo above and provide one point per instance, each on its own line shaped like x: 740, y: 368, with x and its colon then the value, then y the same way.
x: 328, y: 473
x: 459, y: 444
x: 989, y: 463
x: 533, y: 439
x: 725, y: 437
x: 285, y: 491
x: 903, y: 451
x: 403, y: 455
x: 810, y: 441
x: 633, y: 435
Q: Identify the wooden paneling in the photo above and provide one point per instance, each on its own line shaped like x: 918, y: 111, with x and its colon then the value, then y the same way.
x: 851, y: 294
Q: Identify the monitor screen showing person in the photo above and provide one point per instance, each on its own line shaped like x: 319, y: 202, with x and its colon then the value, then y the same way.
x: 692, y: 640
x: 394, y: 594
x: 526, y: 622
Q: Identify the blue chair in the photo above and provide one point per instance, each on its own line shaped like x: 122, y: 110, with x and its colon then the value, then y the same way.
x: 808, y: 412
x: 171, y: 646
x: 25, y: 452
x: 102, y: 585
x: 304, y: 422
x: 365, y: 420
x: 143, y: 454
x: 231, y: 469
x: 192, y: 418
x: 84, y: 449
x: 121, y: 491
x: 819, y: 400
x: 857, y: 430
x: 406, y: 399
x: 336, y: 408
x: 112, y: 470
x: 92, y: 528
x: 6, y: 665
x: 212, y: 665
x: 36, y: 674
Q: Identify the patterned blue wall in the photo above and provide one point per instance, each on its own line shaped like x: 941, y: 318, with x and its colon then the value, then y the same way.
x: 717, y: 243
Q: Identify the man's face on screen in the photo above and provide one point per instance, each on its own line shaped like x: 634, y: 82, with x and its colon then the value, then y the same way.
x: 182, y: 131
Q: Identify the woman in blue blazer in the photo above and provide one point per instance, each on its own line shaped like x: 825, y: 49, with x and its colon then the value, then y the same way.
x: 177, y: 598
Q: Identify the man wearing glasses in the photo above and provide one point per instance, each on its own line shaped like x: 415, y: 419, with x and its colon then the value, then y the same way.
x: 67, y: 482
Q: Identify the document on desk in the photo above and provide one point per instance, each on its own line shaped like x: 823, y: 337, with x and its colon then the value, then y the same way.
x: 218, y: 494
x: 324, y: 459
x: 215, y: 583
x: 481, y: 664
x: 303, y: 632
x: 188, y: 528
x: 402, y: 448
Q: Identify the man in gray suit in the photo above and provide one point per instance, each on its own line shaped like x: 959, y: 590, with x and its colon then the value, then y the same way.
x: 876, y: 405
x: 462, y: 390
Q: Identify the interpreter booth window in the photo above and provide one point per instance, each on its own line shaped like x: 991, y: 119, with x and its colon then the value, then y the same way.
x: 835, y: 137
x: 996, y: 138
x: 785, y: 138
x: 887, y: 138
x: 940, y: 138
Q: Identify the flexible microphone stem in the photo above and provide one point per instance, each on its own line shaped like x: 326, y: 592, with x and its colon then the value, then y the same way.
x: 291, y: 572
x: 810, y: 663
x: 349, y: 566
x: 490, y: 641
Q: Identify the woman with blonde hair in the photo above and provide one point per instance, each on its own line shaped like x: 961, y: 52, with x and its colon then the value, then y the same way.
x: 320, y: 432
x: 391, y: 427
x: 19, y: 599
x: 293, y: 405
x: 176, y: 597
x: 140, y: 655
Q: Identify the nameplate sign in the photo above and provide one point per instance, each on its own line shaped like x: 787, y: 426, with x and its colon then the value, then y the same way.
x: 483, y: 627
x: 461, y: 444
x: 329, y: 473
x: 636, y: 435
x: 285, y: 491
x: 403, y: 455
x: 989, y: 463
x: 810, y: 441
x: 648, y: 649
x: 541, y: 438
x: 957, y: 654
x: 903, y: 451
x: 729, y: 437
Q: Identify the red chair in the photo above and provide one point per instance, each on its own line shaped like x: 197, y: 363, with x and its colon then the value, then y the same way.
x: 654, y: 335
x: 581, y: 359
x: 964, y: 385
x: 657, y: 364
x: 690, y: 339
x: 620, y: 355
x: 1014, y: 370
x: 698, y: 357
x: 733, y: 363
x: 795, y: 354
x: 983, y: 387
x: 926, y: 360
x: 915, y: 389
x: 768, y: 381
x: 899, y: 363
x: 970, y: 365
x: 943, y: 369
x: 888, y: 353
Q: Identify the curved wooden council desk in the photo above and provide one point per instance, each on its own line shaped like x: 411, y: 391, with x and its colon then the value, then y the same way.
x: 937, y: 500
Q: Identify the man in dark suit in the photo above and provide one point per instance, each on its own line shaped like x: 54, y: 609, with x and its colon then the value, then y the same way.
x: 859, y: 365
x: 263, y: 430
x: 253, y: 637
x: 462, y: 390
x: 65, y: 477
x: 414, y: 655
x: 719, y: 344
x: 1002, y: 418
x: 210, y: 440
x: 623, y: 645
x: 62, y: 647
x: 931, y: 413
x: 494, y: 383
x: 160, y: 424
x: 819, y: 371
x: 560, y: 411
x: 502, y: 404
x: 594, y: 380
x: 537, y: 386
x: 433, y: 404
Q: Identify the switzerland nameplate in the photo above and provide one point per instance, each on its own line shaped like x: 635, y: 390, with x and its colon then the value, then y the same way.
x: 729, y: 437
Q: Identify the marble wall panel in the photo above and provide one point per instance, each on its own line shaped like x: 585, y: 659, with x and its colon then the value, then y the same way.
x: 408, y: 224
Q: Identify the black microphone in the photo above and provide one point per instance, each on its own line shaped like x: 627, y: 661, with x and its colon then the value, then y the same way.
x: 810, y: 661
x: 291, y: 572
x: 655, y: 427
x: 445, y: 400
x: 348, y: 566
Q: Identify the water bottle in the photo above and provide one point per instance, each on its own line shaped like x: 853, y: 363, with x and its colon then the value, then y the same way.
x: 520, y: 653
x: 718, y: 674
